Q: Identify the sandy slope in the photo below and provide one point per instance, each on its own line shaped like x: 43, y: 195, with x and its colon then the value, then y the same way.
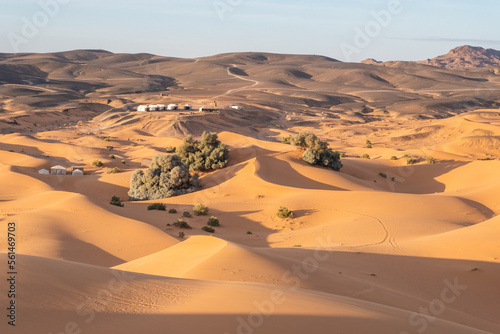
x: 99, y: 300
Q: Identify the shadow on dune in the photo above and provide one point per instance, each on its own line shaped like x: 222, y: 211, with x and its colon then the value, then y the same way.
x: 280, y: 172
x: 409, y: 179
x: 486, y: 211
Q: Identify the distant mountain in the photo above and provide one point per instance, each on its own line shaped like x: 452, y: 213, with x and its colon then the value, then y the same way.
x: 371, y: 61
x: 466, y: 57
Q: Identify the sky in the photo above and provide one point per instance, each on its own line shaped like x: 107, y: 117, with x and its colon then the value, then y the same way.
x: 344, y: 30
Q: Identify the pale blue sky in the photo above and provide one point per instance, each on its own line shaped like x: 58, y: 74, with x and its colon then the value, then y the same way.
x: 190, y: 28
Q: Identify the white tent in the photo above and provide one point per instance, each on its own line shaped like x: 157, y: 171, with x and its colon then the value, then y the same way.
x: 77, y: 172
x: 58, y: 170
x: 173, y: 106
x: 153, y: 107
x: 44, y: 171
x: 142, y: 108
x: 188, y: 107
x: 161, y: 107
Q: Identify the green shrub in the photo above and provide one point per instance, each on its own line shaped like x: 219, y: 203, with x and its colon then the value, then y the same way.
x: 410, y: 160
x: 213, y: 221
x: 116, y: 201
x: 208, y: 229
x: 297, y: 246
x: 123, y: 162
x: 316, y: 151
x: 384, y: 175
x: 170, y: 149
x: 200, y: 210
x: 172, y: 211
x: 157, y: 206
x: 11, y: 151
x: 430, y: 160
x: 368, y: 144
x: 394, y: 157
x: 249, y: 232
x: 204, y: 155
x: 97, y: 163
x: 182, y: 235
x: 167, y: 176
x: 365, y: 156
x: 283, y: 213
x: 181, y: 224
x: 111, y: 156
x: 114, y: 170
x: 186, y: 214
x: 106, y: 139
x: 133, y: 144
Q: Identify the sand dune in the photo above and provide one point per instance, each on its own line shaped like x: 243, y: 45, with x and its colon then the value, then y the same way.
x: 369, y: 247
x: 222, y: 307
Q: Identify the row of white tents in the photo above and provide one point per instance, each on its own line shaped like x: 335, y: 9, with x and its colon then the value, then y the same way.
x: 162, y: 107
x: 61, y: 170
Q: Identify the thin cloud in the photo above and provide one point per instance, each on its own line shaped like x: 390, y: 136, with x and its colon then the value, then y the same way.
x: 447, y: 39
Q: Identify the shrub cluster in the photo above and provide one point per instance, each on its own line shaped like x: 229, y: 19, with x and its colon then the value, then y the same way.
x: 316, y: 151
x: 172, y: 210
x: 200, y: 210
x: 213, y: 221
x: 208, y: 229
x: 186, y: 214
x: 116, y: 201
x: 157, y: 206
x: 283, y: 213
x: 114, y: 170
x: 182, y: 224
x: 207, y: 154
x: 167, y: 176
x: 97, y: 163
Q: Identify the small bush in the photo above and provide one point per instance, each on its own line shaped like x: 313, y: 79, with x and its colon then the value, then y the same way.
x: 124, y: 162
x: 200, y: 210
x: 11, y: 151
x: 297, y: 246
x: 342, y: 154
x: 181, y: 224
x: 111, y: 156
x: 106, y: 139
x: 410, y: 160
x: 116, y: 201
x: 114, y: 170
x: 365, y: 156
x: 186, y: 214
x: 170, y: 149
x: 97, y: 163
x: 157, y: 206
x: 384, y: 175
x: 394, y: 157
x: 249, y: 232
x: 316, y: 151
x: 182, y: 235
x: 208, y: 229
x: 368, y: 144
x: 283, y: 213
x: 133, y: 144
x: 213, y: 221
x: 172, y: 211
x: 430, y: 160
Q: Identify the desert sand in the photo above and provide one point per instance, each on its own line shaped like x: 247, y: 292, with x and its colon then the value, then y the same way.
x: 416, y: 251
